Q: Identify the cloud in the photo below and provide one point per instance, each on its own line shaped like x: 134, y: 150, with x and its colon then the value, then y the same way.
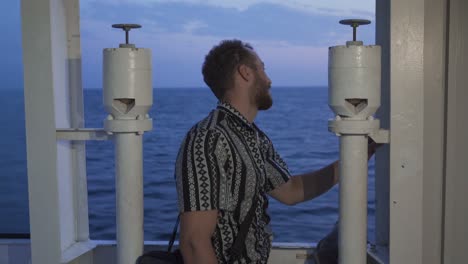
x: 192, y: 26
x: 292, y: 43
x: 177, y: 57
x: 292, y: 64
x: 362, y: 8
x: 266, y: 21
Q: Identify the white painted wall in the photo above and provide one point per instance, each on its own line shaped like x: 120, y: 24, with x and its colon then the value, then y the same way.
x: 424, y: 93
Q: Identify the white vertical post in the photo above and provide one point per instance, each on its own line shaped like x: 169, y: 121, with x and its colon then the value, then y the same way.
x: 353, y: 199
x: 41, y: 148
x: 53, y: 97
x: 78, y: 149
x: 128, y: 96
x: 129, y: 188
x: 354, y: 95
x: 382, y: 156
x: 456, y: 169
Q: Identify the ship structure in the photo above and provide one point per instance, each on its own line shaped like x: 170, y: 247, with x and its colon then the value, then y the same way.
x: 421, y: 173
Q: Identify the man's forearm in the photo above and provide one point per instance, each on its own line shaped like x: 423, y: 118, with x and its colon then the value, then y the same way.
x: 315, y: 183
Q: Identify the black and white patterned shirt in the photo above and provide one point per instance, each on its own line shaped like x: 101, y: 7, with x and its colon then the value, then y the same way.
x: 223, y: 162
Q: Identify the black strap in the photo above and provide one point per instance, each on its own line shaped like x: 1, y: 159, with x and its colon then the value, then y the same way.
x: 174, y: 234
x: 239, y: 242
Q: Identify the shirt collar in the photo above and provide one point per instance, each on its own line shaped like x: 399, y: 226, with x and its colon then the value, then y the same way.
x: 233, y: 111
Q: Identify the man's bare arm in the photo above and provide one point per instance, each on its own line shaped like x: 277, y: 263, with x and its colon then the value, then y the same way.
x: 307, y: 186
x: 310, y: 185
x: 196, y: 229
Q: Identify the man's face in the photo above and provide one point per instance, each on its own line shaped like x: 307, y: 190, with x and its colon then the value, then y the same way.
x: 261, y: 88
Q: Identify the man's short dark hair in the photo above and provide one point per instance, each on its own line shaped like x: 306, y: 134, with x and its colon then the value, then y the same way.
x: 221, y: 62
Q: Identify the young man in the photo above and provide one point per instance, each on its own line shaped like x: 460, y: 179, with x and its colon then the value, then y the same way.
x: 226, y: 165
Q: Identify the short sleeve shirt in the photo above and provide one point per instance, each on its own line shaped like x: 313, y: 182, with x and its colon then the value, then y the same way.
x: 223, y: 163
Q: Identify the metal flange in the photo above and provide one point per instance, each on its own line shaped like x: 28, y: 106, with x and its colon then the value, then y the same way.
x: 353, y: 127
x: 128, y: 125
x: 370, y: 127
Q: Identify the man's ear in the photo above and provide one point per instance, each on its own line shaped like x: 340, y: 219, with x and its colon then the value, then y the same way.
x: 245, y: 72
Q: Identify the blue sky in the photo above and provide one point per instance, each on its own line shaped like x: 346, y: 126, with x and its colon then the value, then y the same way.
x: 291, y: 36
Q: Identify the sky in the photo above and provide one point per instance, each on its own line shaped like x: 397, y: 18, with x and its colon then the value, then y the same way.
x: 291, y: 36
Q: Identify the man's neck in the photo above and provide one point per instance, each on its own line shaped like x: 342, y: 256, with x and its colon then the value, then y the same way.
x: 246, y: 109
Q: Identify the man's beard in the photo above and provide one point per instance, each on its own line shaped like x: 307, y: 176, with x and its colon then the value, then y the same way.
x: 262, y: 98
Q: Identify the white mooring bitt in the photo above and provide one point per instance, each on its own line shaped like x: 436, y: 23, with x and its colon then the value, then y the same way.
x: 354, y: 95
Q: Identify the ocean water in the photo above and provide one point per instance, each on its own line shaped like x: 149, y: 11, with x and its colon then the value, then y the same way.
x: 297, y: 125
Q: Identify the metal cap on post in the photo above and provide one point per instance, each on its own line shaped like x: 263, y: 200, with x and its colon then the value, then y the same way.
x: 354, y: 23
x: 354, y: 76
x: 127, y: 85
x: 126, y: 28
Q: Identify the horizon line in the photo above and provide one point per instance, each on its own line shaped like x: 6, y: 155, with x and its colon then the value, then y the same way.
x: 204, y: 87
x: 191, y: 87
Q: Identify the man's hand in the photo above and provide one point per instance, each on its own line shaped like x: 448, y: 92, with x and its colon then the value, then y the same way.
x: 196, y: 229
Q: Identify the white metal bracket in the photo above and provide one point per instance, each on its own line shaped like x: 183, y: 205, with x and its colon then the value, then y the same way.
x: 381, y: 136
x: 82, y: 134
x: 77, y: 249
